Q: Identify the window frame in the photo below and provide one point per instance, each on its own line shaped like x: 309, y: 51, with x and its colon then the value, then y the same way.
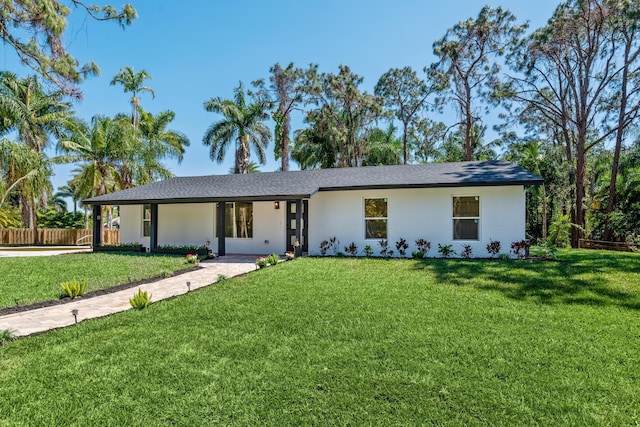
x: 476, y: 218
x: 366, y: 218
x: 145, y: 207
x: 233, y: 208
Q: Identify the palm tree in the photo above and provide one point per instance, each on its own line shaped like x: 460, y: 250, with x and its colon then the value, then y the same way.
x: 25, y: 170
x: 36, y: 116
x: 243, y: 124
x: 133, y: 82
x: 158, y: 143
x: 101, y: 148
x: 68, y: 192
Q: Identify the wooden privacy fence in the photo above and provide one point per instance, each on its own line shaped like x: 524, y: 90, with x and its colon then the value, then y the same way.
x: 54, y: 236
x: 603, y: 244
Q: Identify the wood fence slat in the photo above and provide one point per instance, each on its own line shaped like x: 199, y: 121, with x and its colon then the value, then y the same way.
x: 59, y: 236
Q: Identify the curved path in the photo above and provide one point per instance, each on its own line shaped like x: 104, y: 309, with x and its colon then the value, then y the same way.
x: 58, y: 316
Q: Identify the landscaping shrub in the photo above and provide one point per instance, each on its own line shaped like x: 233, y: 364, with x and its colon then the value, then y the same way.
x: 334, y: 245
x: 368, y: 251
x: 445, y: 251
x: 5, y: 336
x: 289, y: 255
x: 423, y: 246
x: 520, y: 249
x: 191, y: 258
x: 73, y: 288
x: 505, y: 257
x: 273, y: 259
x: 466, y: 251
x: 384, y: 249
x: 140, y: 300
x: 352, y: 249
x: 402, y: 246
x: 417, y: 254
x: 493, y: 247
x: 262, y: 262
x: 324, y: 245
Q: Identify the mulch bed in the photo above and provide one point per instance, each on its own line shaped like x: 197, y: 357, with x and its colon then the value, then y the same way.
x: 66, y: 300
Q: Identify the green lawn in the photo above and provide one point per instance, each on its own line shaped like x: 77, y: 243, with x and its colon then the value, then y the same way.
x: 35, y: 279
x: 352, y: 342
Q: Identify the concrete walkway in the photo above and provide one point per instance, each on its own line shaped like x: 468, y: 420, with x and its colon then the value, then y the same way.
x: 58, y: 316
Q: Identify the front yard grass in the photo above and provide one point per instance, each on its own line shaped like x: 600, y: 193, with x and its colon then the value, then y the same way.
x: 36, y: 279
x: 352, y: 342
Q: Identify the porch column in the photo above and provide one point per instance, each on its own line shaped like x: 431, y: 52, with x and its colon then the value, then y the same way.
x: 220, y: 227
x: 298, y: 250
x: 153, y: 235
x: 97, y: 225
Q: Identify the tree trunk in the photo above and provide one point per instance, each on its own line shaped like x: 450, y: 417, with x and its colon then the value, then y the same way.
x: 579, y: 214
x: 405, y: 138
x: 242, y: 155
x: 468, y: 126
x: 619, y: 135
x: 284, y: 148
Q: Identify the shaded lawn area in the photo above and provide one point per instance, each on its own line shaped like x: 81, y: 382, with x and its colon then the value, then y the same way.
x: 345, y: 341
x: 36, y: 279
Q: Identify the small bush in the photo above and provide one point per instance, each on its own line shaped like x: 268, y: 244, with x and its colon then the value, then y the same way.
x: 466, y: 251
x: 334, y: 245
x: 520, y: 249
x: 548, y: 250
x: 222, y: 278
x: 140, y: 300
x: 6, y: 335
x: 368, y: 251
x: 402, y: 246
x: 324, y: 245
x: 423, y: 246
x: 262, y: 262
x: 273, y: 259
x: 504, y: 257
x: 384, y: 249
x: 191, y: 259
x: 289, y: 255
x: 493, y: 247
x: 352, y: 249
x: 417, y: 254
x: 445, y: 251
x: 73, y: 288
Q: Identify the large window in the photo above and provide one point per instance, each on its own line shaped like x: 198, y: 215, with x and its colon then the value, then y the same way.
x: 375, y: 218
x: 238, y: 220
x: 146, y: 220
x: 466, y: 217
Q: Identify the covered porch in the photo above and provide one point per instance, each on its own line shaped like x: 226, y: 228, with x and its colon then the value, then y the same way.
x: 231, y: 226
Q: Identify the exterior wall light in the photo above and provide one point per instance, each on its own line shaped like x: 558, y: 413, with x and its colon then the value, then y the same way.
x: 276, y: 204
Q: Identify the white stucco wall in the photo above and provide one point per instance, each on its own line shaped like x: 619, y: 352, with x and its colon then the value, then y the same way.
x: 415, y: 214
x: 412, y: 214
x: 194, y: 224
x: 131, y: 225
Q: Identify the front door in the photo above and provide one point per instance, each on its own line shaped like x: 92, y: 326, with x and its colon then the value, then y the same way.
x: 292, y: 226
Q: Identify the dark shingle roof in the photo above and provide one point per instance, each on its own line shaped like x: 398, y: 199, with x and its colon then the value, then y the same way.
x: 303, y: 184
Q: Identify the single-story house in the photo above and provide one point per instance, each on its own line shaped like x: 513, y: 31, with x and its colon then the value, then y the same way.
x: 444, y: 203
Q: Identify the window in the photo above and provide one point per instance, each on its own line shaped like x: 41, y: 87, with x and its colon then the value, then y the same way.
x: 466, y: 217
x: 375, y: 218
x: 146, y: 220
x: 238, y: 220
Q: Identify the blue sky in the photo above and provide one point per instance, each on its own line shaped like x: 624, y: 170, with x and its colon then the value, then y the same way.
x: 200, y: 49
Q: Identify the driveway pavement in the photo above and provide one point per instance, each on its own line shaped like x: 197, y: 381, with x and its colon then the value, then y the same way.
x: 40, y: 250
